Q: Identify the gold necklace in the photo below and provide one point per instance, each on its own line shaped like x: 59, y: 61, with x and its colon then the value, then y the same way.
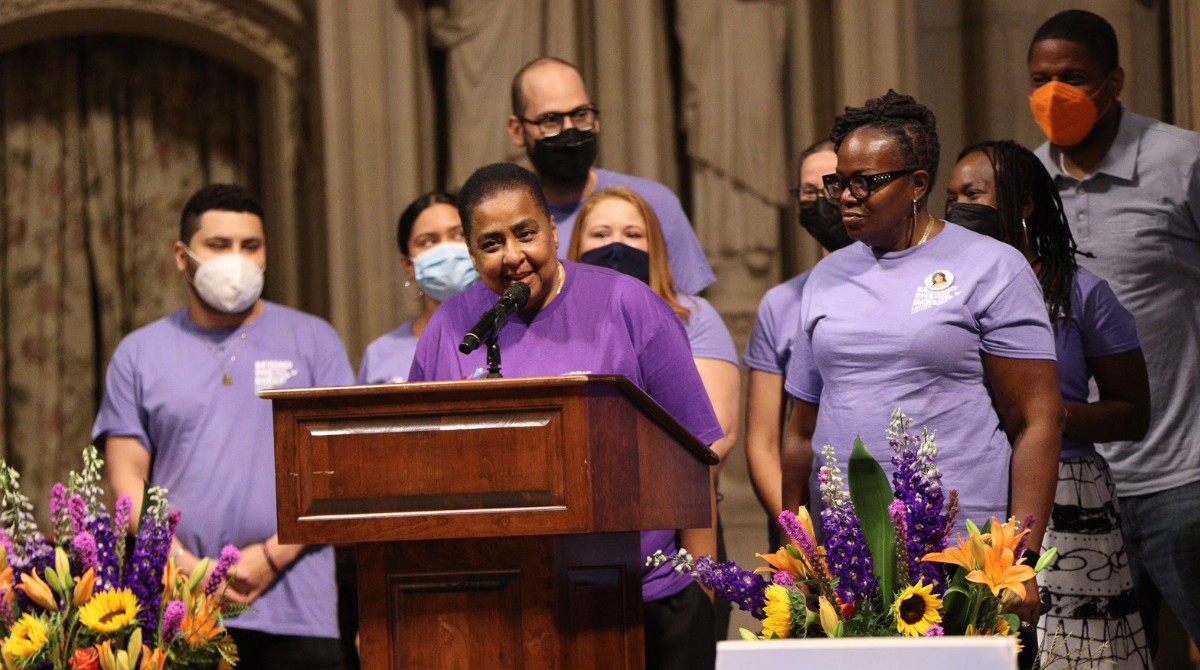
x: 925, y: 236
x: 226, y: 368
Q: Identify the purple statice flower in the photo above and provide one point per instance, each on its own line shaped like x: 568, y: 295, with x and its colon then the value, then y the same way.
x: 171, y: 619
x: 812, y: 553
x: 77, y: 510
x: 847, y: 553
x: 783, y: 578
x: 899, y: 514
x: 934, y: 630
x: 144, y: 569
x: 121, y: 511
x: 58, y: 511
x: 85, y: 548
x: 918, y: 483
x: 229, y: 556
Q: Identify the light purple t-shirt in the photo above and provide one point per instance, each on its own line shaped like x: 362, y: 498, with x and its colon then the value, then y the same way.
x: 213, y: 448
x: 771, y: 341
x: 879, y: 332
x: 706, y: 331
x: 603, y: 322
x: 688, y: 262
x: 1099, y: 326
x: 388, y: 358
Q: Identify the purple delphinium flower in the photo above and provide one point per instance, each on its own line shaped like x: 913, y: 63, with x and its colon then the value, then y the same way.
x: 743, y: 588
x: 847, y: 553
x: 121, y: 511
x: 108, y: 564
x: 918, y: 482
x: 144, y: 569
x: 77, y: 508
x: 85, y: 548
x: 934, y: 630
x: 171, y: 619
x: 229, y: 556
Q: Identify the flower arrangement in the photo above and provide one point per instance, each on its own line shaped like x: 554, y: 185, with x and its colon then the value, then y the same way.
x: 81, y: 603
x: 886, y: 568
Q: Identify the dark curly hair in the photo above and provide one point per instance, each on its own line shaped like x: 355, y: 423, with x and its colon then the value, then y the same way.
x: 491, y: 180
x: 1020, y: 178
x: 910, y: 124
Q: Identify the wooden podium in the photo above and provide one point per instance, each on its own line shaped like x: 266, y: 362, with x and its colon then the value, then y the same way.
x: 495, y: 521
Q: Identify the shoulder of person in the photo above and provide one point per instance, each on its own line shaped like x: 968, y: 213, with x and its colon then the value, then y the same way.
x: 625, y: 291
x: 398, y: 334
x: 303, y: 322
x: 1177, y: 142
x: 654, y: 192
x: 149, y: 335
x: 788, y: 291
x: 991, y: 253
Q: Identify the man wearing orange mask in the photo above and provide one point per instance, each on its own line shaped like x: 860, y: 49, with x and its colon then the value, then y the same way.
x: 1130, y: 188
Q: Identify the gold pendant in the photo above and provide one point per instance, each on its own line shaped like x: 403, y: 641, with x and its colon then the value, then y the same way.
x: 227, y: 380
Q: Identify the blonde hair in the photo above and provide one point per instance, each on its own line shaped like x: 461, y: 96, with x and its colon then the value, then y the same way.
x: 662, y: 281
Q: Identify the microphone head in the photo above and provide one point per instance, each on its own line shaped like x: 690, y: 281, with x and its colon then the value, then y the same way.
x: 518, y: 293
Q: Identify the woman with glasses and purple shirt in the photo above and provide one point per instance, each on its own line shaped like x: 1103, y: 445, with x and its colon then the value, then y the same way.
x: 926, y: 316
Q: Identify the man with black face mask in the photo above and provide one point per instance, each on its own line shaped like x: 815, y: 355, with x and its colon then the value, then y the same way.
x: 557, y: 124
x: 770, y: 346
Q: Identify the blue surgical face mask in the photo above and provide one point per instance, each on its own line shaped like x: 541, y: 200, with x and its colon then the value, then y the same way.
x: 445, y: 270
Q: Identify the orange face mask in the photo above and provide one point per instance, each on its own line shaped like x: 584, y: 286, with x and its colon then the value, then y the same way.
x: 1065, y: 113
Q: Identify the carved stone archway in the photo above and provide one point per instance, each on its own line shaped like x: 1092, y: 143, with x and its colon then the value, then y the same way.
x: 227, y: 32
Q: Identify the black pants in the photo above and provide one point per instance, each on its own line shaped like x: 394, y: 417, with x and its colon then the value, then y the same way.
x: 679, y: 631
x: 263, y: 651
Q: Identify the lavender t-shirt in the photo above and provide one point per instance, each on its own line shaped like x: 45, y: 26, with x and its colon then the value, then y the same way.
x: 603, y: 322
x: 706, y: 332
x: 212, y: 446
x: 688, y: 263
x: 389, y: 357
x: 771, y: 341
x: 905, y: 329
x: 1099, y: 326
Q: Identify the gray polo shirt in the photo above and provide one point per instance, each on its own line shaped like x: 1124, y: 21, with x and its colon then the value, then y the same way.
x: 1138, y: 213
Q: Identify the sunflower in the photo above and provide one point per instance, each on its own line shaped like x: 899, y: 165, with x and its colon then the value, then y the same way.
x: 109, y: 611
x: 916, y: 609
x: 27, y: 638
x: 779, y: 612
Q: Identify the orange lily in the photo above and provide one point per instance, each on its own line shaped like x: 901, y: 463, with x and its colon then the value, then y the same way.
x: 1006, y: 535
x: 1001, y: 572
x: 783, y: 560
x: 153, y: 660
x: 108, y: 661
x: 202, y: 625
x: 6, y: 588
x: 38, y: 591
x: 84, y: 586
x: 956, y: 555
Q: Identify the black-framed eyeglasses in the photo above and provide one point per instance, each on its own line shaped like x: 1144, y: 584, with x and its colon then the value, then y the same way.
x: 860, y: 185
x: 551, y: 123
x: 804, y: 193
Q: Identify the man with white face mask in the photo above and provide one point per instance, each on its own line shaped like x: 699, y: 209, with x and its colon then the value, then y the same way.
x: 181, y: 410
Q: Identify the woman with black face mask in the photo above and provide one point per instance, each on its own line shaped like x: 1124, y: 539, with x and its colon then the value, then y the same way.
x: 616, y: 228
x: 1001, y: 189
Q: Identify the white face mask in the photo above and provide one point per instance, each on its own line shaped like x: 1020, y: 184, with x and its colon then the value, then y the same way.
x: 228, y: 283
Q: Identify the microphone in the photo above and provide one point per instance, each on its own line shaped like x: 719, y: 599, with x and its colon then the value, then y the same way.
x: 515, y: 297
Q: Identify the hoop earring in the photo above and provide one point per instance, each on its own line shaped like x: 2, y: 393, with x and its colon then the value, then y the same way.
x: 1023, y: 226
x: 420, y: 292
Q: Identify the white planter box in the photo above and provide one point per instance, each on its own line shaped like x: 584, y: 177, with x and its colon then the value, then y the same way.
x: 889, y: 653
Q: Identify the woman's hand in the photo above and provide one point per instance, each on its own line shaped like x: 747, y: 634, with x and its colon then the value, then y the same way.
x: 797, y: 457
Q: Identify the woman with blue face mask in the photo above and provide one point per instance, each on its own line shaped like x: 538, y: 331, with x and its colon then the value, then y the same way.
x: 434, y: 255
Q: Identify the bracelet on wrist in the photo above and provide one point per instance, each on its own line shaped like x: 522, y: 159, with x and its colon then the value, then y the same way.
x: 270, y: 561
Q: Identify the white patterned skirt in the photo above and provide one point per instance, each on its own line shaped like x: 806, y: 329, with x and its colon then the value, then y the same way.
x: 1089, y: 611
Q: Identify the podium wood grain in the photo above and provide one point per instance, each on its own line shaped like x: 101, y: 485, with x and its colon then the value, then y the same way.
x: 495, y: 520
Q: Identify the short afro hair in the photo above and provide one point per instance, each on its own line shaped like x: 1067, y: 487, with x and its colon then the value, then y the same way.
x: 911, y: 125
x: 409, y: 217
x: 490, y: 181
x: 221, y: 198
x: 1082, y: 27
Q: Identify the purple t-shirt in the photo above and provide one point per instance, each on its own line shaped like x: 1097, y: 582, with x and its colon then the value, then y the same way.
x: 1099, y: 326
x: 706, y: 332
x: 213, y: 446
x: 388, y: 358
x: 688, y: 262
x: 603, y: 322
x: 771, y: 341
x: 905, y: 329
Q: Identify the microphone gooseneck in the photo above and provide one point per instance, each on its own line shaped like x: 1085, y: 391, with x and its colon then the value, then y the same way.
x: 515, y: 297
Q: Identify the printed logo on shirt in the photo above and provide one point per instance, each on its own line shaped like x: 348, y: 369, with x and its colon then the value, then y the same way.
x: 273, y: 374
x: 939, y: 289
x: 577, y: 372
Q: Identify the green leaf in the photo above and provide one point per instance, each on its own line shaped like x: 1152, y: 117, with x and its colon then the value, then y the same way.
x: 792, y: 550
x: 1014, y: 623
x: 121, y: 532
x: 957, y: 603
x: 871, y: 494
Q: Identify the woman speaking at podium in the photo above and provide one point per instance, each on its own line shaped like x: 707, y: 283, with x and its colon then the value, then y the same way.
x: 579, y: 319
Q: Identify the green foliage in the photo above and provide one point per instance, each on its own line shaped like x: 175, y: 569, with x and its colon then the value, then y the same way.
x: 872, y: 493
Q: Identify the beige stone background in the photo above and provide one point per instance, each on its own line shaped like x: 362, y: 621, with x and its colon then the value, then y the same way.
x: 365, y: 104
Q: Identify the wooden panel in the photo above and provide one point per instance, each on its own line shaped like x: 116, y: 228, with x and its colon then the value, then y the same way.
x: 456, y: 621
x: 680, y: 496
x: 601, y: 601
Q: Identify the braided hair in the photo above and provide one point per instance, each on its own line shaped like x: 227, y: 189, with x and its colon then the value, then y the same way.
x: 911, y: 125
x: 1020, y: 179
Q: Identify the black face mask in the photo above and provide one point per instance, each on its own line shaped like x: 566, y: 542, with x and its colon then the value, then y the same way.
x: 982, y: 219
x: 822, y: 218
x: 622, y: 258
x: 566, y: 157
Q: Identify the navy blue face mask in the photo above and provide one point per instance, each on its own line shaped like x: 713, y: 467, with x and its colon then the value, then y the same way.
x: 622, y: 258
